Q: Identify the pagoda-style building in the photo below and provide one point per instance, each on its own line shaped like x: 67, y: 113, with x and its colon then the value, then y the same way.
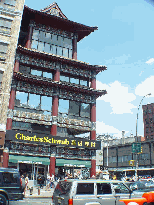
x: 53, y: 97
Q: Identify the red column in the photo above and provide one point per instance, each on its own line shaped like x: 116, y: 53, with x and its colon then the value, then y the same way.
x: 16, y: 66
x: 93, y: 131
x: 6, y: 157
x: 54, y: 114
x: 74, y: 54
x: 93, y: 83
x: 93, y: 167
x: 29, y: 39
x: 11, y: 107
x: 52, y: 165
x: 55, y: 106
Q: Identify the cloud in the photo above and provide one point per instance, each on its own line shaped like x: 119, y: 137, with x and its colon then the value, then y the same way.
x: 118, y: 97
x: 150, y: 61
x: 102, y: 128
x: 145, y: 87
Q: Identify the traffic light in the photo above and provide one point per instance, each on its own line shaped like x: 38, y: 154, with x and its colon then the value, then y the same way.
x: 141, y: 149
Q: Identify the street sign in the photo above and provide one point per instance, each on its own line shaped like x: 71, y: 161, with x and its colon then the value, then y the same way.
x: 136, y: 147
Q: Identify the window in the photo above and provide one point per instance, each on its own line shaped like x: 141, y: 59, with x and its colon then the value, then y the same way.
x: 21, y: 98
x: 83, y: 82
x: 51, y: 43
x: 9, y: 178
x: 103, y: 188
x: 85, y: 188
x: 85, y: 110
x: 1, y: 75
x: 46, y: 103
x: 74, y: 108
x: 10, y: 2
x: 34, y: 101
x: 63, y: 106
x: 3, y: 50
x: 120, y: 188
x: 73, y: 80
x: 47, y: 75
x: 64, y: 78
x: 5, y: 25
x: 36, y: 72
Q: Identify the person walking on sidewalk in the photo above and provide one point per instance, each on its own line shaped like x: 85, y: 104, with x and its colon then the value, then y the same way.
x: 26, y: 182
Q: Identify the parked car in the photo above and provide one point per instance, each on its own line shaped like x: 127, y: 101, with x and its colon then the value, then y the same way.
x: 10, y: 185
x: 91, y: 191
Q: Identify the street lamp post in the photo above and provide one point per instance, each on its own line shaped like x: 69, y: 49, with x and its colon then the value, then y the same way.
x: 136, y: 134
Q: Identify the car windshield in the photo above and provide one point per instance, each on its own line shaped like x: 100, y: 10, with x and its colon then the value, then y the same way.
x: 120, y: 188
x: 63, y: 188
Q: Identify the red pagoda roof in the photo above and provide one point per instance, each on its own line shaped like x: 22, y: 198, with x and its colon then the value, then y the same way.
x: 59, y: 22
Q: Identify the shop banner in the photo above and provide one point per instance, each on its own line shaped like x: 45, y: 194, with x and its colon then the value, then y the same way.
x: 52, y: 140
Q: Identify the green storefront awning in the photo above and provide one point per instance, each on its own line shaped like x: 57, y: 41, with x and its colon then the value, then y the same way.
x: 73, y: 163
x: 29, y: 159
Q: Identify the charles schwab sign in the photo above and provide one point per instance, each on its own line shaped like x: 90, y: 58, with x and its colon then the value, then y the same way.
x: 51, y: 140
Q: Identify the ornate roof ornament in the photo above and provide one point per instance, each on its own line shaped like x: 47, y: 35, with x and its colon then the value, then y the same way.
x: 54, y: 9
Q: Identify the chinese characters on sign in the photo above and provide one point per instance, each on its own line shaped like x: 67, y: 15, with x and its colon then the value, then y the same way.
x: 52, y: 140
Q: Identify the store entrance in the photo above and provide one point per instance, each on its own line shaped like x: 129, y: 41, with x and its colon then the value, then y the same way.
x: 33, y: 171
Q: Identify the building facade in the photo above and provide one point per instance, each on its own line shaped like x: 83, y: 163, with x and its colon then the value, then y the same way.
x: 119, y: 156
x: 10, y: 19
x: 148, y: 120
x: 53, y: 97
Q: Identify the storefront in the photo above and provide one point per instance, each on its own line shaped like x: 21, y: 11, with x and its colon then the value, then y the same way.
x: 33, y: 166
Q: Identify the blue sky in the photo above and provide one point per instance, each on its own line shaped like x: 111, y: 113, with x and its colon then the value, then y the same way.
x: 124, y: 43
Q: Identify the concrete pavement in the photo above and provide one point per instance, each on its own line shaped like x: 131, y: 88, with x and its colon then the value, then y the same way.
x: 43, y: 193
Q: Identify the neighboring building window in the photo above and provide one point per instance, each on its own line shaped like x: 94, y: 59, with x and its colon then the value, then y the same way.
x: 10, y: 2
x: 1, y: 75
x: 3, y: 51
x: 73, y: 80
x: 5, y: 25
x: 51, y: 43
x: 85, y: 110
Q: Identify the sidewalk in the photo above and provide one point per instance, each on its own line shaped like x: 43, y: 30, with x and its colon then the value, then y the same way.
x: 43, y: 193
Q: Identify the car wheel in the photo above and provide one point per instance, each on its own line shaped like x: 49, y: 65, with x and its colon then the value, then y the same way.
x: 3, y: 200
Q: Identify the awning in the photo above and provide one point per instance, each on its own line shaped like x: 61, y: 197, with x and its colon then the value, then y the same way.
x: 73, y: 163
x: 29, y: 159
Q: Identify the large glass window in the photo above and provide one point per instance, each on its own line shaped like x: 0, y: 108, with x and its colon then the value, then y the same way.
x: 21, y: 98
x: 74, y: 108
x: 63, y: 106
x: 51, y: 43
x: 34, y: 100
x: 85, y: 110
x: 46, y: 103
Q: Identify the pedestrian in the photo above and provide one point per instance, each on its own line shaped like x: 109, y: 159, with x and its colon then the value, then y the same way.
x: 39, y: 180
x: 26, y: 182
x: 22, y: 182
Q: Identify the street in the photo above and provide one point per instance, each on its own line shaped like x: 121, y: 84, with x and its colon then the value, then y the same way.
x: 29, y: 201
